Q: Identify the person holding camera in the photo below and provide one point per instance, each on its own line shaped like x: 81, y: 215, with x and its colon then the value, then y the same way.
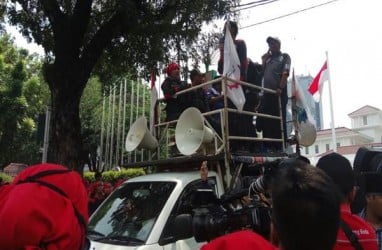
x: 354, y: 232
x: 305, y: 213
x: 373, y: 210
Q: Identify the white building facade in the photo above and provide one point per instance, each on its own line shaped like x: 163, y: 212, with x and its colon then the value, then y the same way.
x: 366, y: 131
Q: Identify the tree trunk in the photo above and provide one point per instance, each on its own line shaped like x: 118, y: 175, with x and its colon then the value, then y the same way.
x: 66, y: 86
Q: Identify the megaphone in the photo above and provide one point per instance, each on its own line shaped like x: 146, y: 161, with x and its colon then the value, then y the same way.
x: 191, y: 133
x: 140, y: 137
x: 306, y: 133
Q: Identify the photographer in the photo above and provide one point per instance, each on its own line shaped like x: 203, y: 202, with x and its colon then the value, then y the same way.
x: 373, y: 211
x: 305, y: 214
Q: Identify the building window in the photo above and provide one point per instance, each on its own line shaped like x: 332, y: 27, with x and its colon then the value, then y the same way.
x: 306, y: 150
x: 364, y: 118
x: 338, y: 144
x: 327, y: 147
x: 316, y: 149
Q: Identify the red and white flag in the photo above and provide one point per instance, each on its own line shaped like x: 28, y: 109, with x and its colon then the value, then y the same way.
x: 154, y: 99
x: 232, y: 70
x: 316, y: 86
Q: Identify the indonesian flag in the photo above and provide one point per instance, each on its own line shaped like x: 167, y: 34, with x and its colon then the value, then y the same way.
x: 232, y: 70
x: 153, y: 101
x: 316, y: 86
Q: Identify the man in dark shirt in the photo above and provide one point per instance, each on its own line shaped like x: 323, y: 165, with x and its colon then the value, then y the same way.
x: 276, y: 66
x: 235, y: 120
x: 198, y: 96
x: 175, y: 105
x: 241, y: 49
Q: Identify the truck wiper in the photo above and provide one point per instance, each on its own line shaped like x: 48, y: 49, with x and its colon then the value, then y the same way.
x: 94, y: 232
x: 127, y: 240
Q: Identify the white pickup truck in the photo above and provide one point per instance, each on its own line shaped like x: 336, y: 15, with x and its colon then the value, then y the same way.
x: 141, y: 213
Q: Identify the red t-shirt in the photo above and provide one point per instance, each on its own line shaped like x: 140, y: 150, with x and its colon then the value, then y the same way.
x: 363, y: 230
x: 241, y: 240
x: 32, y: 214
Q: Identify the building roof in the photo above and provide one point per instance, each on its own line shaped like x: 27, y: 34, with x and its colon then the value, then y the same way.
x: 340, y: 131
x: 367, y: 109
x: 13, y: 169
x: 347, y: 150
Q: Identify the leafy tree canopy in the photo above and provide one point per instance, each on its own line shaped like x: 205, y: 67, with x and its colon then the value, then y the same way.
x: 23, y: 96
x: 81, y: 37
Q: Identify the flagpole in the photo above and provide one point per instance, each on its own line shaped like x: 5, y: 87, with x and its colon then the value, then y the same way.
x: 331, y: 106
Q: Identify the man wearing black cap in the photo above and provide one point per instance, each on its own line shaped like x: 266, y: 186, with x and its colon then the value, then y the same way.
x: 373, y: 211
x: 276, y: 66
x: 354, y: 232
x: 198, y: 97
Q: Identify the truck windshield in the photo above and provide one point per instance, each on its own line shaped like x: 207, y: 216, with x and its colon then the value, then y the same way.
x: 129, y: 214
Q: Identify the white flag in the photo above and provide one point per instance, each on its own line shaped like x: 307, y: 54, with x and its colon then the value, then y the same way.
x: 305, y: 123
x: 232, y: 70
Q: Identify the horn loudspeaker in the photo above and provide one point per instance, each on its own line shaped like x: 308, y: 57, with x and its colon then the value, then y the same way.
x: 140, y: 137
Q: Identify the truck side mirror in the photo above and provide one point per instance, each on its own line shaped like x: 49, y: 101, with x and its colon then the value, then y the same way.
x: 183, y: 227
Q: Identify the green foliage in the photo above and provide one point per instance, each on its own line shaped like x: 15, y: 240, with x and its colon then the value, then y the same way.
x: 113, y: 176
x: 5, y: 177
x: 108, y: 38
x: 23, y: 95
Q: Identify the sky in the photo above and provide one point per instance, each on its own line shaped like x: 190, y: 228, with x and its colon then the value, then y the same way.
x: 347, y: 30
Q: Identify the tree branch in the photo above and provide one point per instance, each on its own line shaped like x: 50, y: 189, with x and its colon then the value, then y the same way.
x: 101, y: 40
x: 80, y: 21
x: 54, y: 14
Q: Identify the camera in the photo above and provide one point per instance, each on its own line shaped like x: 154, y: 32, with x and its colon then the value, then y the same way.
x: 230, y: 213
x: 367, y: 160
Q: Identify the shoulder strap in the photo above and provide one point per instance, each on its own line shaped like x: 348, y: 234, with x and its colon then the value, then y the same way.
x: 35, y: 179
x: 350, y: 235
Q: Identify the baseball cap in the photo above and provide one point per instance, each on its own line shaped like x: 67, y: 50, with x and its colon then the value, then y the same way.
x: 171, y: 67
x: 273, y: 38
x: 340, y: 170
x: 194, y: 73
x: 372, y: 182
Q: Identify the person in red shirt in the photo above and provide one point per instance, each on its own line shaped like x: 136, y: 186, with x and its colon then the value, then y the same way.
x: 354, y: 232
x: 45, y: 207
x: 172, y: 84
x: 98, y: 191
x: 241, y: 240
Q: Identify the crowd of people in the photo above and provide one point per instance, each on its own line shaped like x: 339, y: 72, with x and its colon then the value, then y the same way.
x: 99, y: 190
x: 272, y: 74
x: 311, y: 209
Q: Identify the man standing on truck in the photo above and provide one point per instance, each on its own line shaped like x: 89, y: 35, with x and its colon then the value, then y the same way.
x: 175, y: 105
x: 276, y: 67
